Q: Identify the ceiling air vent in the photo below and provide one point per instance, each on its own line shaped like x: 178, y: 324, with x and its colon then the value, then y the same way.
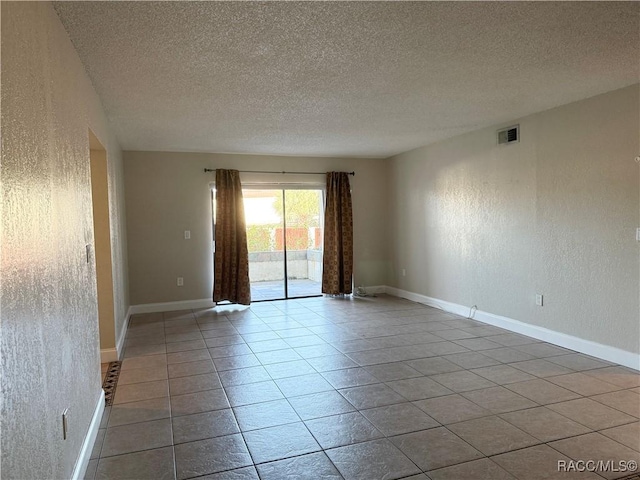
x: 509, y: 135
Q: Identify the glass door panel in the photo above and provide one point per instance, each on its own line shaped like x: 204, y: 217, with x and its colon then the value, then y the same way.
x: 265, y: 227
x: 303, y: 214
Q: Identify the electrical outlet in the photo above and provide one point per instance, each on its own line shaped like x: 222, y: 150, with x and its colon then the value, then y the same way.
x: 539, y: 299
x: 65, y: 424
x: 404, y: 272
x: 180, y: 281
x: 187, y: 234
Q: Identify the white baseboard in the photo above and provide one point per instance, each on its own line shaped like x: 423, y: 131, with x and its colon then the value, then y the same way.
x: 171, y: 306
x: 595, y: 349
x: 90, y: 438
x: 108, y: 355
x: 375, y: 289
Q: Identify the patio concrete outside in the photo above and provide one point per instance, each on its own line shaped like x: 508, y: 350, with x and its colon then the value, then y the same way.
x: 271, y: 290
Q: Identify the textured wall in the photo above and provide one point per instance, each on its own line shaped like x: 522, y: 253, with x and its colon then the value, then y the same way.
x: 477, y: 223
x: 49, y: 345
x: 167, y: 193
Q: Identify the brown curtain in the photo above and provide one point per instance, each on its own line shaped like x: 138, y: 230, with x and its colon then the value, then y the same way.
x: 231, y: 259
x: 337, y: 261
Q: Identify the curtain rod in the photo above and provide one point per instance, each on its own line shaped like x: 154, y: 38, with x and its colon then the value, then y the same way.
x: 207, y: 170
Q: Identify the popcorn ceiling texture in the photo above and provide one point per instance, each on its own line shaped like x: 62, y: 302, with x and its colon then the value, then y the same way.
x: 341, y: 78
x: 49, y: 348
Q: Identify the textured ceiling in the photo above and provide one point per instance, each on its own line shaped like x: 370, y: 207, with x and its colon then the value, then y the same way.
x: 341, y: 78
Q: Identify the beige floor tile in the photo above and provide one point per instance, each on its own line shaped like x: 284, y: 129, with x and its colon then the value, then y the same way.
x: 628, y: 435
x: 136, y: 437
x: 470, y: 360
x: 591, y: 413
x: 349, y: 377
x: 198, y: 402
x: 388, y: 372
x: 386, y: 356
x: 499, y: 400
x: 147, y: 361
x: 283, y: 441
x: 542, y: 350
x: 289, y: 369
x: 92, y: 466
x: 141, y: 391
x: 243, y: 473
x: 340, y: 430
x: 483, y: 469
x: 594, y: 446
x: 433, y: 365
x: 398, y: 419
x: 253, y: 393
x: 476, y: 344
x: 583, y: 384
x: 139, y: 375
x: 332, y: 362
x: 142, y: 411
x: 371, y: 396
x: 187, y: 369
x: 538, y: 462
x: 579, y: 362
x: 143, y: 350
x: 266, y: 414
x: 194, y: 383
x: 623, y: 400
x: 305, y: 467
x: 418, y: 388
x: 542, y: 392
x: 97, y: 446
x: 188, y: 356
x: 185, y: 346
x: 492, y: 435
x: 617, y: 375
x: 155, y: 464
x: 211, y: 456
x: 462, y: 381
x: 320, y: 405
x: 541, y: 368
x: 369, y: 460
x: 503, y: 374
x: 451, y: 409
x: 200, y: 426
x: 435, y: 448
x: 544, y: 424
x: 303, y: 385
x: 243, y: 376
x: 241, y: 361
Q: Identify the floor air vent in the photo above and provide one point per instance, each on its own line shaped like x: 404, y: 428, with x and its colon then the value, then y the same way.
x: 509, y: 135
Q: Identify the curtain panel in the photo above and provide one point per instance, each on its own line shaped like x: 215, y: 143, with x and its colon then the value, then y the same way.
x: 337, y: 262
x: 231, y: 259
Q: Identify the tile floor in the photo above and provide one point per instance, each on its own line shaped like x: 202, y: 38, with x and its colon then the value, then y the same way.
x: 297, y: 287
x: 366, y: 388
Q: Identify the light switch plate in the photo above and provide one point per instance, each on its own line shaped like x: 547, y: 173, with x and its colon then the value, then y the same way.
x: 637, y: 234
x: 539, y: 299
x: 187, y: 234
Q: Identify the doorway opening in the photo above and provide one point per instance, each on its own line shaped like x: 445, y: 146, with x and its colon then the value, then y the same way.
x: 102, y: 248
x: 284, y: 239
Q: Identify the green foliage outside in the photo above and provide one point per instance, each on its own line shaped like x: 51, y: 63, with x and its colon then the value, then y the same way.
x: 302, y: 207
x: 259, y: 238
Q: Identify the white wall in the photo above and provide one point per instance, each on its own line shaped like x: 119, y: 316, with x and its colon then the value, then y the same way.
x: 477, y: 223
x: 49, y: 344
x: 167, y: 193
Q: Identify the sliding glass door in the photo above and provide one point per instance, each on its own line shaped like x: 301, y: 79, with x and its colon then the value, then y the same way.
x: 284, y: 235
